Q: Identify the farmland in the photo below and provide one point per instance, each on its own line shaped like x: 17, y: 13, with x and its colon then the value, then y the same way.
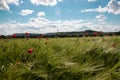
x: 85, y: 58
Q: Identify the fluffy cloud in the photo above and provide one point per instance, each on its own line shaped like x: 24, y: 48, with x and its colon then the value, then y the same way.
x: 26, y: 12
x: 99, y: 9
x: 43, y: 25
x: 91, y: 0
x: 101, y: 17
x: 114, y: 7
x: 4, y: 4
x: 45, y: 2
x: 16, y: 2
x: 41, y: 14
x: 111, y: 7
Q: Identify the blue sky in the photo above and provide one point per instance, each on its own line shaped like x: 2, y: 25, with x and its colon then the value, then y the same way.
x: 44, y: 16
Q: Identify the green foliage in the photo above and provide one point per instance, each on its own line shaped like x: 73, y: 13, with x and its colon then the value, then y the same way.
x: 86, y: 58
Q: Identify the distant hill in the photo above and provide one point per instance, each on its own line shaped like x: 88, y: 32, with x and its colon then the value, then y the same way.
x: 64, y: 34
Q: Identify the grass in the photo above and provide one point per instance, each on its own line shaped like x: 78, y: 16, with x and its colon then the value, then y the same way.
x: 86, y: 58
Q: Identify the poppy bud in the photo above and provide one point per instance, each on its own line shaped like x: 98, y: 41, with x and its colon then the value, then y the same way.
x: 30, y: 51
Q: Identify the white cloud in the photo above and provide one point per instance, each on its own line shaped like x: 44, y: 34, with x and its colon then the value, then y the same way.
x: 99, y: 9
x: 26, y: 12
x: 114, y: 7
x: 101, y: 17
x: 3, y: 5
x: 45, y: 2
x: 41, y: 14
x: 15, y: 2
x: 43, y: 25
x: 92, y: 0
x: 111, y: 7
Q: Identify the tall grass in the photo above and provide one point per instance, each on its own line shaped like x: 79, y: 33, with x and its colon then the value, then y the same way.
x: 87, y: 58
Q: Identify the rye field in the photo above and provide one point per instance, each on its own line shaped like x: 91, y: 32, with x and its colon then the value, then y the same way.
x: 86, y: 58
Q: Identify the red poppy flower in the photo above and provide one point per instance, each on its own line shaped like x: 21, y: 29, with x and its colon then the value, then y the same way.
x: 94, y: 34
x: 14, y: 35
x: 30, y: 51
x: 26, y: 33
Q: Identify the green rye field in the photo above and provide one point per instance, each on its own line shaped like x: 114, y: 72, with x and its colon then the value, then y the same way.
x: 86, y: 58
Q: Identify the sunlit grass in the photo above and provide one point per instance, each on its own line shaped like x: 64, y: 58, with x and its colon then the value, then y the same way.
x: 86, y: 58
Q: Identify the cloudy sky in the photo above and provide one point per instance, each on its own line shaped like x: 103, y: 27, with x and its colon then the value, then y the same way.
x: 44, y: 16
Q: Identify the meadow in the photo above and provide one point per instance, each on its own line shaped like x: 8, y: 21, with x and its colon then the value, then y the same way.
x: 85, y: 58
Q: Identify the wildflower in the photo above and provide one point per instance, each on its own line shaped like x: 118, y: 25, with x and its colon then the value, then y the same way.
x: 26, y: 33
x: 94, y: 34
x: 14, y: 35
x: 30, y: 51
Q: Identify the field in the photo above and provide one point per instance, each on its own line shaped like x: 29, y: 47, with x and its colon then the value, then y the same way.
x: 86, y: 58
